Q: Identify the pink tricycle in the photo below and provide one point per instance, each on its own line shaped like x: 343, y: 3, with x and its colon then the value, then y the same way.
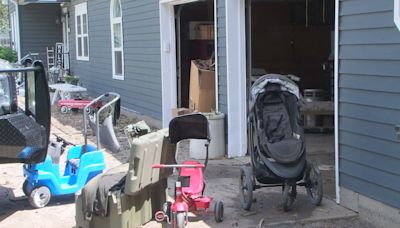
x: 189, y: 186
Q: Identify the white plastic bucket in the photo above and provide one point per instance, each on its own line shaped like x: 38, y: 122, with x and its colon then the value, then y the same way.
x: 216, y: 148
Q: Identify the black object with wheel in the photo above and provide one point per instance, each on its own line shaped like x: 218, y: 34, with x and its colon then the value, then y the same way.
x: 246, y: 187
x: 276, y: 143
x: 314, y: 185
x: 219, y: 211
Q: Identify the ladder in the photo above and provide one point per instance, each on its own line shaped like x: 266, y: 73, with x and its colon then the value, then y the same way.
x: 50, y: 57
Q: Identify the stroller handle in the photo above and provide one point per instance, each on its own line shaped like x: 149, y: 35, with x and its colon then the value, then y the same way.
x: 161, y: 166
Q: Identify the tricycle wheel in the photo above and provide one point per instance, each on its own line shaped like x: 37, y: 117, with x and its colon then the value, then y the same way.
x: 26, y: 188
x: 180, y: 220
x: 40, y: 197
x: 288, y: 196
x: 64, y: 109
x: 314, y: 184
x: 219, y: 211
x: 246, y: 187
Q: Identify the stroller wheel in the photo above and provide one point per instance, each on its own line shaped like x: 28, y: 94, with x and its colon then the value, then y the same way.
x: 219, y: 211
x: 40, y: 197
x: 288, y: 196
x: 314, y: 184
x: 246, y: 187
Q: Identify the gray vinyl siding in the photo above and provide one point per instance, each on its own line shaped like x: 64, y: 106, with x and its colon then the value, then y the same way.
x: 369, y: 95
x: 222, y: 70
x: 38, y: 28
x: 141, y: 89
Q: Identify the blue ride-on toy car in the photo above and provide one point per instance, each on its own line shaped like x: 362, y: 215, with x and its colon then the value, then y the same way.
x: 83, y: 162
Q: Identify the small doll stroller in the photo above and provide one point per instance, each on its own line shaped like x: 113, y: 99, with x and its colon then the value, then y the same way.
x: 276, y: 144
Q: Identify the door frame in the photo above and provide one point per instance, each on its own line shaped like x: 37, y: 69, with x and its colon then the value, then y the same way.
x: 169, y: 55
x: 236, y: 82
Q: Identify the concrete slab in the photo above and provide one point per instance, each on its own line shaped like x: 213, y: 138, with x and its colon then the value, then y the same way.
x: 222, y: 184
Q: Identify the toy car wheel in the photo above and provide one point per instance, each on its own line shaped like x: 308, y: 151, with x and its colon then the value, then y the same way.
x: 314, y: 184
x: 26, y: 188
x: 219, y: 211
x: 180, y: 220
x: 288, y: 196
x: 64, y: 109
x: 246, y: 187
x: 40, y: 197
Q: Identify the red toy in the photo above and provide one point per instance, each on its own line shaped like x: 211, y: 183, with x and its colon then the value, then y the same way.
x: 189, y: 186
x: 75, y: 104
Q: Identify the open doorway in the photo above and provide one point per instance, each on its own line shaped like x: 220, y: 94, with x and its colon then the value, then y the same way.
x: 195, y: 40
x: 296, y: 38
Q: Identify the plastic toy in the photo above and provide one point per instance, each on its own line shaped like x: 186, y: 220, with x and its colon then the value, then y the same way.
x: 43, y: 180
x: 76, y: 104
x: 189, y: 186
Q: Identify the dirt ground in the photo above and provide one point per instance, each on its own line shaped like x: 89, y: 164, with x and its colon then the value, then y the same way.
x: 222, y: 183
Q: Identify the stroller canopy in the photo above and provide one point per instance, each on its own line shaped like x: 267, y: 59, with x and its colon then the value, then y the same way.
x: 259, y: 87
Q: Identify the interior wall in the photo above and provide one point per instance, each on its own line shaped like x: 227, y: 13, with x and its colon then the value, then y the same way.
x: 192, y: 49
x: 285, y: 41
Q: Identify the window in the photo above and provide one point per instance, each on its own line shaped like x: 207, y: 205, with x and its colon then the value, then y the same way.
x: 117, y: 39
x: 396, y: 13
x: 13, y: 25
x: 81, y: 32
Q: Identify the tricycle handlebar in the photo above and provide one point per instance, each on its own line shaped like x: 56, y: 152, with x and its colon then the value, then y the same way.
x: 161, y: 166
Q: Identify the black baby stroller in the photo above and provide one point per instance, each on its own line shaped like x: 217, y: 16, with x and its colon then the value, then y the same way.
x: 276, y: 144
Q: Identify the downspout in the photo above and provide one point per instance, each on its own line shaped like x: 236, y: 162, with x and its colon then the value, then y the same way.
x: 336, y: 95
x: 17, y: 32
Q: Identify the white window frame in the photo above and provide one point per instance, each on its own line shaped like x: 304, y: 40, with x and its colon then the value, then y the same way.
x: 13, y: 31
x: 113, y: 21
x: 396, y: 13
x: 80, y: 10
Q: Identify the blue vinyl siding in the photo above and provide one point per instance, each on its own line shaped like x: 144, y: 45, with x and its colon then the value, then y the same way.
x: 369, y: 96
x: 221, y: 44
x: 141, y: 89
x: 38, y: 28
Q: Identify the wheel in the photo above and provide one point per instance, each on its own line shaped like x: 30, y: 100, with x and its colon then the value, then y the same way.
x: 246, y: 187
x: 40, y: 197
x: 180, y: 220
x: 64, y: 109
x: 219, y: 211
x: 289, y: 194
x: 314, y: 184
x: 26, y: 188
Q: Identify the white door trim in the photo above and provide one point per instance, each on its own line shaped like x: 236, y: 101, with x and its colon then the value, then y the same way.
x: 168, y: 57
x: 168, y: 61
x: 236, y: 77
x: 336, y: 98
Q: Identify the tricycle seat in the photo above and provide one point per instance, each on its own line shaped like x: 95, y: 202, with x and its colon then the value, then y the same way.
x: 195, y: 189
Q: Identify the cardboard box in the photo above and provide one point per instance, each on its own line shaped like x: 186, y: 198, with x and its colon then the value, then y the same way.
x: 205, y: 32
x: 202, y: 89
x: 180, y: 111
